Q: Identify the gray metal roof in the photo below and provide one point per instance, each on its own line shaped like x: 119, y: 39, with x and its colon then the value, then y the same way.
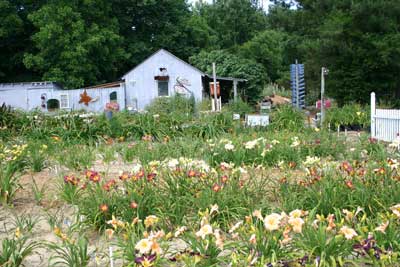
x: 30, y: 85
x: 226, y: 78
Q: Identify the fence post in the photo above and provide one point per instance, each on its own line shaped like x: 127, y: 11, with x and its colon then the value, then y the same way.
x: 373, y: 112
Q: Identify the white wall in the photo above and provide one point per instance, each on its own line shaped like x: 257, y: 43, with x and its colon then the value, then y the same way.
x: 140, y: 83
x: 15, y: 98
x: 30, y: 99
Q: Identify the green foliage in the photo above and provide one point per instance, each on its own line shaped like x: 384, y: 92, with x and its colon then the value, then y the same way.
x: 69, y: 37
x: 37, y: 156
x: 62, y: 41
x: 275, y: 89
x: 230, y: 65
x: 9, y: 183
x: 348, y: 116
x: 287, y: 117
x: 353, y: 39
x: 14, y: 250
x: 70, y: 253
x: 268, y: 48
x: 172, y: 106
x: 240, y: 21
x: 239, y: 107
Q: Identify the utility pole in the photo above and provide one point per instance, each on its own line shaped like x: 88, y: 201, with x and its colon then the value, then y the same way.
x: 297, y: 85
x: 324, y: 71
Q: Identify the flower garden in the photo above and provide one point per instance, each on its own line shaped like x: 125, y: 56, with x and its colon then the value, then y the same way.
x: 181, y: 188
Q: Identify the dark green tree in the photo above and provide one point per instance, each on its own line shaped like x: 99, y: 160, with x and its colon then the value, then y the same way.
x: 15, y: 34
x: 234, y: 21
x: 268, y: 48
x: 77, y: 42
x: 230, y: 65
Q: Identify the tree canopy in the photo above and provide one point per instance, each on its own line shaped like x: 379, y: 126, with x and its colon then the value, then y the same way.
x: 84, y: 42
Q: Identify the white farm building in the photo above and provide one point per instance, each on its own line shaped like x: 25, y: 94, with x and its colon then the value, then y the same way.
x: 160, y: 75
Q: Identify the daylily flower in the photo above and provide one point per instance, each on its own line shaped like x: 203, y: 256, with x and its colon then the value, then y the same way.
x: 229, y: 147
x: 214, y: 208
x: 204, y: 231
x: 348, y: 232
x: 109, y: 233
x: 396, y: 210
x: 257, y: 214
x: 295, y: 142
x: 235, y: 227
x: 272, y: 221
x: 103, y: 208
x: 144, y: 246
x: 124, y: 176
x: 146, y: 261
x: 252, y: 239
x: 155, y: 248
x: 382, y: 227
x: 133, y: 205
x: 150, y: 220
x: 192, y: 173
x: 216, y: 187
x: 251, y: 144
x: 219, y: 242
x: 350, y: 184
x: 296, y: 213
x: 296, y: 223
x: 17, y: 232
x: 331, y: 222
x: 115, y: 222
x: 180, y: 231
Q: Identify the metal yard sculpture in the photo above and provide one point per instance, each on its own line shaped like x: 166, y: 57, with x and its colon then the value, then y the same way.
x: 298, y: 85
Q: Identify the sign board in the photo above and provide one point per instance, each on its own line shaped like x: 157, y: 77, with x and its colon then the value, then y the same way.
x: 257, y: 120
x: 236, y: 116
x: 212, y: 89
x: 327, y: 104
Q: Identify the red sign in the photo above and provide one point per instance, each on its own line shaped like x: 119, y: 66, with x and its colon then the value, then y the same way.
x: 212, y: 89
x: 327, y: 104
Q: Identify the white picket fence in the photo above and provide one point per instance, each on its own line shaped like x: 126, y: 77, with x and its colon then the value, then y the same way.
x: 385, y: 123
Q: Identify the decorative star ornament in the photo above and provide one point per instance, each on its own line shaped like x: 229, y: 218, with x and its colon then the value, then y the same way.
x: 85, y: 98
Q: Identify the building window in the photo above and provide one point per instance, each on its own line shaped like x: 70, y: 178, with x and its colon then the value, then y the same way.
x: 64, y: 101
x: 163, y: 88
x: 113, y: 97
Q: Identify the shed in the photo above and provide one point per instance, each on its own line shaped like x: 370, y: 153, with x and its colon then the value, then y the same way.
x: 163, y: 74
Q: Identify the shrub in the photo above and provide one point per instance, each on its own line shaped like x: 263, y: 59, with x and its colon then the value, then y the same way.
x: 172, y: 105
x: 240, y: 107
x: 287, y: 118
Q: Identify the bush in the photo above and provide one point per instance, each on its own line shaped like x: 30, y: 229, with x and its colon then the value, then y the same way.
x: 350, y: 116
x: 240, y: 107
x: 172, y: 105
x: 287, y: 118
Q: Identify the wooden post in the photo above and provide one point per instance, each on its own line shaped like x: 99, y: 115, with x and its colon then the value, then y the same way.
x: 215, y: 87
x: 297, y: 85
x: 322, y: 96
x: 235, y: 90
x: 373, y: 113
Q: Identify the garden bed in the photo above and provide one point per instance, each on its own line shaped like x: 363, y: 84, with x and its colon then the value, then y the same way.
x: 221, y: 196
